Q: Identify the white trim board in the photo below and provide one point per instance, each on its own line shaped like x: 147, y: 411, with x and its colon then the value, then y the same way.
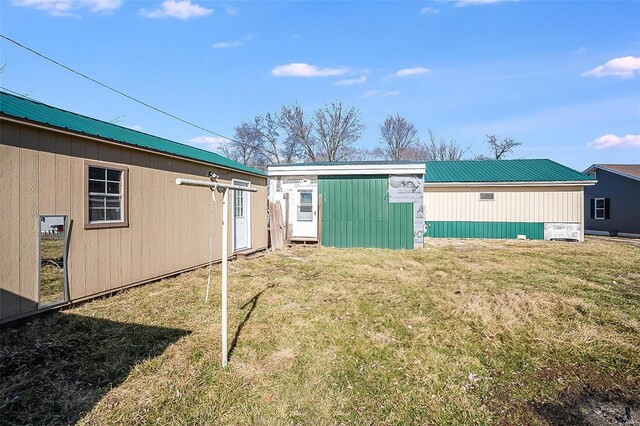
x: 536, y: 183
x: 347, y: 169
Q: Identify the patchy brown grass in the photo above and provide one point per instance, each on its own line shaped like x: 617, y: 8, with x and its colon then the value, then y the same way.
x: 460, y: 332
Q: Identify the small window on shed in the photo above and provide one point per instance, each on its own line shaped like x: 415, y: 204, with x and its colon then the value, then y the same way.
x: 487, y: 196
x: 593, y: 174
x: 105, y: 197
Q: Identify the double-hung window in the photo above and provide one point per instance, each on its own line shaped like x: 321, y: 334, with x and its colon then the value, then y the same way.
x: 105, y: 196
x: 600, y: 211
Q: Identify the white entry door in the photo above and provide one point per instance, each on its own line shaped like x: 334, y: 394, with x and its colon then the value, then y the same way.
x: 305, y: 212
x: 241, y: 217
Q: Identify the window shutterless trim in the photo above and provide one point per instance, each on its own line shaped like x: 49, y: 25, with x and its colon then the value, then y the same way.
x: 124, y: 180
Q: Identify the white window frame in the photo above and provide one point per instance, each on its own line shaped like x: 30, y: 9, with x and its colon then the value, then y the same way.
x: 122, y: 196
x: 593, y: 174
x: 596, y: 208
x: 300, y: 204
x: 247, y: 213
x: 493, y: 196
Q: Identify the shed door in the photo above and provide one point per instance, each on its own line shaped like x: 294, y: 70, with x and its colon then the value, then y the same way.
x: 305, y: 213
x: 241, y: 217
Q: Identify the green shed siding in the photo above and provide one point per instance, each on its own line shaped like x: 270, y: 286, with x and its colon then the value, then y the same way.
x: 356, y: 213
x: 503, y: 230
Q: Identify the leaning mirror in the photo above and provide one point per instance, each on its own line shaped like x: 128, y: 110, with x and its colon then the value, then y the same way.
x: 53, y: 263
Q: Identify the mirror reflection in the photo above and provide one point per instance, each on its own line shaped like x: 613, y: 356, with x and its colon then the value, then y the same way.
x: 52, y: 261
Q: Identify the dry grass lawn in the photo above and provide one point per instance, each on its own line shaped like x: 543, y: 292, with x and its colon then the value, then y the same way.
x: 460, y: 332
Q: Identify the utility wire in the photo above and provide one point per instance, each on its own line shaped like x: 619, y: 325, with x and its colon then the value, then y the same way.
x: 9, y: 39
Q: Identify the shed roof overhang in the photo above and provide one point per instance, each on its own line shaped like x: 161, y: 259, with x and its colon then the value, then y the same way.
x: 524, y: 183
x: 30, y: 123
x: 343, y: 169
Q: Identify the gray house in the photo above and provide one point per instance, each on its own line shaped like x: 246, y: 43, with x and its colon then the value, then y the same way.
x: 612, y: 206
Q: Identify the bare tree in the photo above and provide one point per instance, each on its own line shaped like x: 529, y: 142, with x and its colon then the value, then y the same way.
x: 397, y: 138
x: 267, y: 127
x: 500, y: 148
x: 337, y: 128
x: 442, y: 150
x: 244, y: 146
x: 301, y: 143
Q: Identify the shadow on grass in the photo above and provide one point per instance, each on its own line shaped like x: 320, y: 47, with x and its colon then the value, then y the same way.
x: 590, y: 408
x: 253, y: 302
x: 56, y: 368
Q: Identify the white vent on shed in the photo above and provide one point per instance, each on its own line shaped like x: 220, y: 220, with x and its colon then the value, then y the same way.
x: 487, y: 196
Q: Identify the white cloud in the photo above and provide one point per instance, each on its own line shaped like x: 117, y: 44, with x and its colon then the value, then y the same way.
x: 210, y: 143
x: 380, y: 93
x: 306, y: 70
x: 180, y: 9
x: 231, y: 10
x: 136, y: 127
x: 406, y: 72
x: 68, y: 7
x: 613, y: 141
x: 625, y: 67
x: 427, y: 10
x: 462, y: 3
x: 234, y: 43
x: 350, y: 81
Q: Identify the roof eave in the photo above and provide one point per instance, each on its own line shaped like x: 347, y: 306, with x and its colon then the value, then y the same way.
x: 610, y: 170
x: 520, y: 183
x: 47, y: 126
x: 346, y: 169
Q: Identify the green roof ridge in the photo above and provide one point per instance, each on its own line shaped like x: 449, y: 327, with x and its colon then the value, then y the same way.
x: 160, y: 144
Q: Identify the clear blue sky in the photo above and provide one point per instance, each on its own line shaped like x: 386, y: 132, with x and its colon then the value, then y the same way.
x: 562, y: 77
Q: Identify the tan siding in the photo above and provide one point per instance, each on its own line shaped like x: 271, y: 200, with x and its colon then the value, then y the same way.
x: 125, y: 236
x: 512, y: 204
x: 29, y: 222
x: 92, y: 278
x: 9, y: 220
x: 76, y: 261
x: 115, y: 250
x: 168, y: 228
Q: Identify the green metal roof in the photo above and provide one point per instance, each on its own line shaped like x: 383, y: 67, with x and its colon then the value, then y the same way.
x: 501, y: 171
x: 19, y: 107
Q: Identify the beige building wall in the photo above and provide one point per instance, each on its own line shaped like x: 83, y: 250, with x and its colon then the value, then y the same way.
x: 512, y: 204
x: 42, y: 172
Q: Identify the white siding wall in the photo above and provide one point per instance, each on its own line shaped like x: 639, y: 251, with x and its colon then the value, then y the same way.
x: 511, y: 204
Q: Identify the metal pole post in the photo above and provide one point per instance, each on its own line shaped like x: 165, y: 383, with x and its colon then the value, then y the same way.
x: 225, y: 215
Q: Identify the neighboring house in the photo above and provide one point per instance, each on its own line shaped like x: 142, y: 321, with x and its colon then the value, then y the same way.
x: 361, y: 204
x: 112, y: 190
x: 612, y: 206
x: 534, y: 199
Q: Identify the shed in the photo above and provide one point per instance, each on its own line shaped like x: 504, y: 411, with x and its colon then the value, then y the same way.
x: 536, y: 199
x: 120, y: 219
x: 612, y: 206
x: 351, y: 204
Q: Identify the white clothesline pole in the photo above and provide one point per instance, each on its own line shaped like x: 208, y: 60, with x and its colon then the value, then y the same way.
x: 225, y: 216
x: 225, y: 249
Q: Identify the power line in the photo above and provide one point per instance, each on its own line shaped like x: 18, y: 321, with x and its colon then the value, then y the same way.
x: 9, y: 39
